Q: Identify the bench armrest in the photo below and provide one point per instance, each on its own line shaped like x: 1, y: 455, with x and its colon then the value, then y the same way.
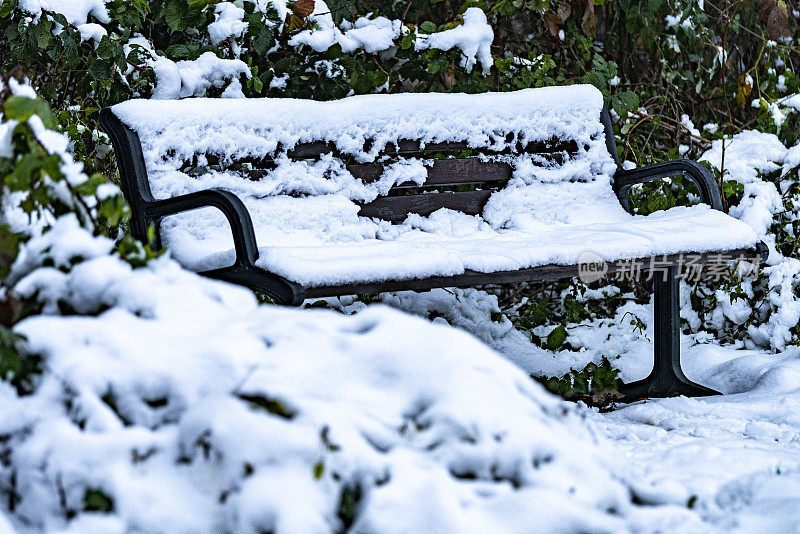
x: 701, y: 176
x: 244, y: 237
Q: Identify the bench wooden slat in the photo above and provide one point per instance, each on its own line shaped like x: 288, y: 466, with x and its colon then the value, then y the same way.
x: 397, y: 208
x: 544, y: 273
x: 445, y: 171
x: 313, y: 149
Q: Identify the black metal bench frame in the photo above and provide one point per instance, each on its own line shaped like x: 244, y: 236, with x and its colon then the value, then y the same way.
x: 667, y: 377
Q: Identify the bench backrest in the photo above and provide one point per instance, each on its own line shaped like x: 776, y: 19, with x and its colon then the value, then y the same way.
x: 390, y: 155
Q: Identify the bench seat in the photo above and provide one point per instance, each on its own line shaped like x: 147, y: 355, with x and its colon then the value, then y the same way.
x: 472, y: 245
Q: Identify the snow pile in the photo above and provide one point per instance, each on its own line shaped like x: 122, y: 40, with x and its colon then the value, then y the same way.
x: 189, y: 407
x: 187, y: 78
x: 792, y: 159
x: 228, y: 23
x: 780, y: 108
x: 76, y: 12
x: 548, y: 213
x: 748, y: 155
x: 372, y: 35
x: 92, y: 32
x: 783, y: 284
x: 177, y: 131
x: 474, y: 39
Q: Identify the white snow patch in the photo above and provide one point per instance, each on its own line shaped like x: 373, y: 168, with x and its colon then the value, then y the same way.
x: 75, y: 11
x: 474, y: 38
x: 747, y: 154
x: 228, y: 22
x: 191, y: 77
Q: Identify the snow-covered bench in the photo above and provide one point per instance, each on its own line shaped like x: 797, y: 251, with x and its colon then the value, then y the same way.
x: 299, y: 199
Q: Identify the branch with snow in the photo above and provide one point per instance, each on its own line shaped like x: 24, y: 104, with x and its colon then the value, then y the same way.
x: 474, y: 38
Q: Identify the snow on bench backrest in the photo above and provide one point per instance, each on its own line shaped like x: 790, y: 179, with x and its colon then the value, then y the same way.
x: 187, y: 145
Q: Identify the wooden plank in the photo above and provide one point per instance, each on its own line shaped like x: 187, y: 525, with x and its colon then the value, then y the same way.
x: 311, y: 150
x: 552, y: 150
x: 314, y: 149
x: 397, y: 208
x: 407, y: 146
x: 544, y: 273
x: 455, y: 171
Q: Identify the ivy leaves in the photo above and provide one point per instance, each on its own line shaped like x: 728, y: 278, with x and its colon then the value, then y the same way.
x: 596, y: 385
x: 604, y: 77
x: 35, y: 172
x: 17, y: 368
x: 20, y: 109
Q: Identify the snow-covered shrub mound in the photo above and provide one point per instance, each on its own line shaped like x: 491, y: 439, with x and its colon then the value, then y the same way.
x: 184, y: 406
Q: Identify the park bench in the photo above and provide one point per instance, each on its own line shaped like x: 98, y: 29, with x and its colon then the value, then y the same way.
x: 301, y: 199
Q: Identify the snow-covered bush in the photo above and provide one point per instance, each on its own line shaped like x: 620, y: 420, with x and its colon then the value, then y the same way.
x: 43, y: 186
x: 678, y: 76
x: 187, y: 407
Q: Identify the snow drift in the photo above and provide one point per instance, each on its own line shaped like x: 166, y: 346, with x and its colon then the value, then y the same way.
x: 190, y: 408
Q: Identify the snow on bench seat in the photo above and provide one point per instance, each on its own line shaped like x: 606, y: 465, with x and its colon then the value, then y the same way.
x: 306, y: 211
x: 420, y: 254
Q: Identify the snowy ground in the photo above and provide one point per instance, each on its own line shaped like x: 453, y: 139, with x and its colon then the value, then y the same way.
x: 732, y: 461
x: 737, y: 457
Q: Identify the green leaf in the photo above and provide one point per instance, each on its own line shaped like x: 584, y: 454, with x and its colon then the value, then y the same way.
x: 7, y: 8
x: 9, y: 249
x: 22, y: 108
x: 556, y: 338
x: 15, y: 367
x: 319, y: 469
x: 200, y: 4
x: 89, y: 187
x: 177, y: 51
x: 630, y: 99
x: 268, y: 404
x: 10, y: 364
x: 94, y: 500
x: 44, y: 33
x: 175, y: 14
x: 732, y: 188
x: 599, y: 81
x: 427, y: 27
x: 100, y: 69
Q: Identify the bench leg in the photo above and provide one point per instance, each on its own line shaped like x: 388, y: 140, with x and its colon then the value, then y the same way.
x: 667, y: 378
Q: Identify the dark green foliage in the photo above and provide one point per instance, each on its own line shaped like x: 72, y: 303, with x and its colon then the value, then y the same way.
x: 597, y: 385
x: 16, y: 367
x: 556, y: 338
x: 268, y: 404
x: 95, y: 500
x: 349, y: 500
